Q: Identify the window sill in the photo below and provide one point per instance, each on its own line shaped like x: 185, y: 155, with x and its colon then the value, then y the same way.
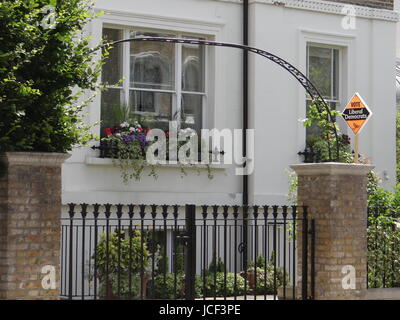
x: 93, y: 161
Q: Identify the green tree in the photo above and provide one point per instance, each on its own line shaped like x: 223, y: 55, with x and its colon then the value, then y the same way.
x: 45, y: 70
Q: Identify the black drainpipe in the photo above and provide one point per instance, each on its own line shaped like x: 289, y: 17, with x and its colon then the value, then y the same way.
x: 245, y: 191
x: 245, y: 94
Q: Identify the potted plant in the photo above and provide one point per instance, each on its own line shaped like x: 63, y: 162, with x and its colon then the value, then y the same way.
x: 119, y: 263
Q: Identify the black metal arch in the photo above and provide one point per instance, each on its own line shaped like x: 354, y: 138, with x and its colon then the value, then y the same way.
x: 297, y: 74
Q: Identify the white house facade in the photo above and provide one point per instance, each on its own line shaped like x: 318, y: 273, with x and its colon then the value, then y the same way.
x: 206, y: 83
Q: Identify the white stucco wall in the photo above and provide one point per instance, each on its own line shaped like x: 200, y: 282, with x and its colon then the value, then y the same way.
x: 367, y: 67
x: 397, y: 8
x: 277, y: 100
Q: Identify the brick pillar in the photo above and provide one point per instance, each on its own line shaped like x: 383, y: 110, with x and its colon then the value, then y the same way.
x: 30, y: 211
x: 336, y: 194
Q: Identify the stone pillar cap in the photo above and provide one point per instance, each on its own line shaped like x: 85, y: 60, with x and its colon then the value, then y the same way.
x: 332, y: 168
x: 48, y: 159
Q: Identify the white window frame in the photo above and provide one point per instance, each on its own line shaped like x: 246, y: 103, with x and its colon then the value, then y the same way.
x: 348, y: 71
x: 340, y: 68
x: 177, y: 92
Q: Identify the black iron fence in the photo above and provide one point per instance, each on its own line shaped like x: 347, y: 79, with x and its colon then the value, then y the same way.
x: 183, y: 252
x: 383, y: 247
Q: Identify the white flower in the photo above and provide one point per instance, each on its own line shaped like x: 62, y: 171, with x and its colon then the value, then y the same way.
x: 131, y: 129
x: 118, y: 134
x: 187, y: 132
x: 124, y: 124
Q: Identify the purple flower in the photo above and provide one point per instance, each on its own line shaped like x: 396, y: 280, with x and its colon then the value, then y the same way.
x: 128, y: 138
x: 141, y: 137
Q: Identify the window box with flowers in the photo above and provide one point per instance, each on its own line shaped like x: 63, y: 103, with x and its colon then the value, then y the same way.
x: 126, y: 146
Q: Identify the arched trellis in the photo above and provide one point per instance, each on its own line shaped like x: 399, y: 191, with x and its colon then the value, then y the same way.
x: 299, y: 76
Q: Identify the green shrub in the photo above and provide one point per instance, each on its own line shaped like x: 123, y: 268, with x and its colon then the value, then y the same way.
x: 325, y: 142
x: 218, y: 266
x: 383, y: 249
x: 265, y: 275
x: 124, y: 255
x: 44, y: 74
x: 383, y: 236
x: 163, y: 262
x: 129, y: 289
x: 165, y: 290
x: 218, y: 288
x: 265, y: 280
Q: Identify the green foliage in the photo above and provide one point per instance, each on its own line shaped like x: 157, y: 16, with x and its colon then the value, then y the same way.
x: 266, y: 281
x: 264, y: 271
x: 220, y: 286
x: 383, y: 249
x: 380, y: 198
x: 128, y: 146
x: 373, y: 183
x: 318, y: 115
x: 259, y: 263
x: 216, y: 266
x: 164, y: 287
x: 129, y: 289
x: 130, y: 158
x: 44, y: 73
x: 325, y: 142
x: 121, y: 254
x: 383, y: 235
x: 293, y: 183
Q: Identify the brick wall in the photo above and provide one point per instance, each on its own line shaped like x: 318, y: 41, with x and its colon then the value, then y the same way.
x: 381, y: 4
x: 336, y: 197
x: 30, y: 204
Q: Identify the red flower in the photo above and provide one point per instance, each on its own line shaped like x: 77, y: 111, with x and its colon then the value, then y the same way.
x: 140, y: 129
x: 167, y: 134
x: 108, y: 132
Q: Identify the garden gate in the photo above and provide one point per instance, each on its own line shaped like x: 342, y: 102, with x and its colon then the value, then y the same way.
x: 185, y: 252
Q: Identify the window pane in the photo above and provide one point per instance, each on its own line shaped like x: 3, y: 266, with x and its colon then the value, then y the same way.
x: 112, y: 69
x: 320, y: 69
x: 110, y: 103
x: 155, y: 104
x: 192, y: 111
x: 335, y: 71
x: 192, y: 67
x: 152, y: 63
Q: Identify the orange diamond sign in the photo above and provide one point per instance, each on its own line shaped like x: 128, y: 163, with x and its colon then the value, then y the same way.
x: 356, y: 114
